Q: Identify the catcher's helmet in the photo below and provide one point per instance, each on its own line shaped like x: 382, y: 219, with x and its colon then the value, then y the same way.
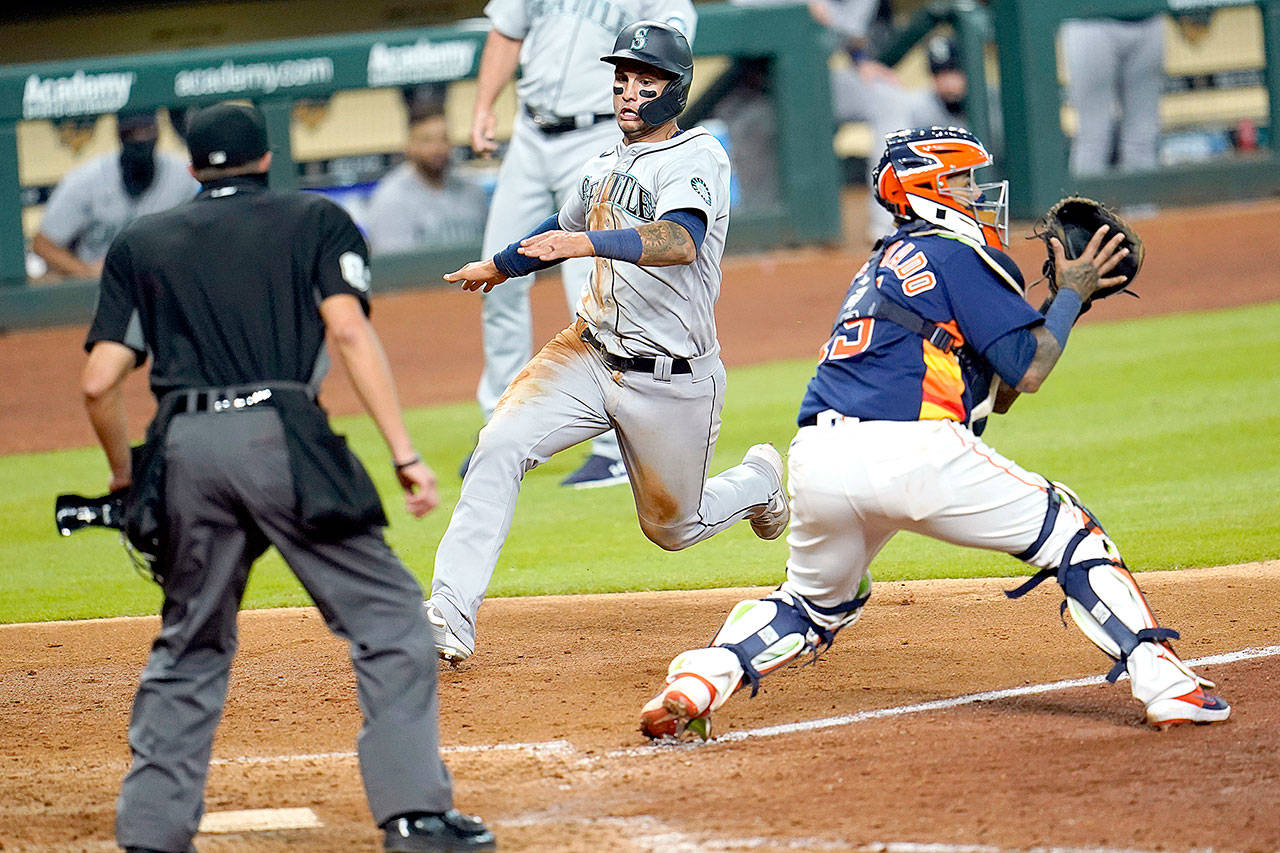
x: 908, y: 183
x: 665, y: 48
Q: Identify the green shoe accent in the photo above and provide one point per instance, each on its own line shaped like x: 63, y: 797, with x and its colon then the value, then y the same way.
x: 700, y: 726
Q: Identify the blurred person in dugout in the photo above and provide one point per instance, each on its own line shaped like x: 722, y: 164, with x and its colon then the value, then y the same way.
x: 864, y: 89
x: 1115, y: 75
x: 422, y: 203
x: 95, y: 200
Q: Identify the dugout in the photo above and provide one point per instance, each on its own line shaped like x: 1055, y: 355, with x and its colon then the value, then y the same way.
x: 359, y: 78
x: 338, y: 117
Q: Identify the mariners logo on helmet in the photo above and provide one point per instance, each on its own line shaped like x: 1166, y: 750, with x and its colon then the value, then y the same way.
x: 665, y: 49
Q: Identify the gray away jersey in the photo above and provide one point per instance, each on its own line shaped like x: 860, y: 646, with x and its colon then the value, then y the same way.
x: 560, y: 68
x: 667, y: 310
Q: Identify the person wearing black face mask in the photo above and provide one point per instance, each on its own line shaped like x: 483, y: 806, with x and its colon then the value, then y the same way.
x: 138, y: 135
x: 943, y: 100
x: 95, y: 200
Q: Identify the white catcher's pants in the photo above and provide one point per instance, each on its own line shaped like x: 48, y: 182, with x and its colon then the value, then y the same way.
x: 854, y: 484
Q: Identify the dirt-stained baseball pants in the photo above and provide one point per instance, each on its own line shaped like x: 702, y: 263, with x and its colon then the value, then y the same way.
x: 667, y: 430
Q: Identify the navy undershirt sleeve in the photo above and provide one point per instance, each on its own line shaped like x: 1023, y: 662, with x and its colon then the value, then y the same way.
x: 690, y: 220
x: 512, y: 264
x: 1011, y: 354
x: 623, y: 244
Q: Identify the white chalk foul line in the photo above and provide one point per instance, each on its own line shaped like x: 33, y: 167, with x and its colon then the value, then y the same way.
x: 565, y: 748
x: 546, y: 747
x: 935, y: 705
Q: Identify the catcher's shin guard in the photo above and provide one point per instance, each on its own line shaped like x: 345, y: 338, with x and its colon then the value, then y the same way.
x: 1104, y: 601
x: 757, y: 638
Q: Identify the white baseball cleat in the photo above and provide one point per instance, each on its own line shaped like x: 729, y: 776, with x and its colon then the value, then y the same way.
x: 679, y: 707
x: 771, y: 520
x: 449, y: 646
x: 1194, y: 707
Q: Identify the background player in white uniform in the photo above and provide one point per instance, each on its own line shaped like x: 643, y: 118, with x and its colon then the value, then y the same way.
x: 642, y: 356
x: 933, y: 334
x: 97, y: 199
x: 564, y: 117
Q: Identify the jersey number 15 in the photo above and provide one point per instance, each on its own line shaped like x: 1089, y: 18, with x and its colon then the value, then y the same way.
x: 854, y: 338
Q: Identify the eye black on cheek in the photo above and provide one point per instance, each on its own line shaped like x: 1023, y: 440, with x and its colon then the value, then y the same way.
x: 648, y: 93
x: 617, y: 90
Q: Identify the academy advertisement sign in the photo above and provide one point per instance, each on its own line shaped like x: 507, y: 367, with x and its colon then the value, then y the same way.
x: 78, y: 93
x: 250, y: 78
x: 421, y: 62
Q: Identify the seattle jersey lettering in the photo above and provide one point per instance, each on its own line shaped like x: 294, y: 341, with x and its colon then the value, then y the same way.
x: 620, y: 190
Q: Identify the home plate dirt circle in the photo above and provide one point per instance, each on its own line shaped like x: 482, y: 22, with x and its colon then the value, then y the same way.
x: 947, y: 719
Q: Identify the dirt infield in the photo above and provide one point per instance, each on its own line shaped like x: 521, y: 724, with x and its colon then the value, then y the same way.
x: 540, y: 726
x: 540, y: 730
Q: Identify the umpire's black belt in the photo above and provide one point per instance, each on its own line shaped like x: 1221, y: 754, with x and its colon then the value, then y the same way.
x: 235, y: 398
x: 554, y: 124
x: 640, y: 363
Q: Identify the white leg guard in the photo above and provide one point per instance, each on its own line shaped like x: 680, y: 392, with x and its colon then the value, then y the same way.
x: 1104, y: 601
x: 757, y: 638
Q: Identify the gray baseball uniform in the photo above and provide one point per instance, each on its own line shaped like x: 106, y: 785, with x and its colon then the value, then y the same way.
x: 89, y: 206
x: 1115, y: 71
x: 664, y: 405
x: 405, y: 212
x: 563, y: 81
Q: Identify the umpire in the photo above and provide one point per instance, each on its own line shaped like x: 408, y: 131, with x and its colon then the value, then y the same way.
x: 231, y: 295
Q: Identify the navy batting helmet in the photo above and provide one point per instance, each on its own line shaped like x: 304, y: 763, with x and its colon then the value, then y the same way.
x: 665, y: 48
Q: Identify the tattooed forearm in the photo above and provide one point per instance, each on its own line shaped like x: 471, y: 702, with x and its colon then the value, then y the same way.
x: 665, y: 244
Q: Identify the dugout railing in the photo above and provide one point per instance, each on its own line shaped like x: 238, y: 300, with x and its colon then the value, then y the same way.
x: 277, y: 74
x: 1035, y: 144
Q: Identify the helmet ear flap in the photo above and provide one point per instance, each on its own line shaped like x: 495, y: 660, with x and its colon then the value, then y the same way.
x: 889, y: 190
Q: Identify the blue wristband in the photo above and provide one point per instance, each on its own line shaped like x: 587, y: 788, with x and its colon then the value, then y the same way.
x: 512, y: 264
x: 620, y: 244
x: 1062, y: 314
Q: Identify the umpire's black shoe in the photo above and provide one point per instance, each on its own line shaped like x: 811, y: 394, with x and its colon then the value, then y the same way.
x: 451, y: 830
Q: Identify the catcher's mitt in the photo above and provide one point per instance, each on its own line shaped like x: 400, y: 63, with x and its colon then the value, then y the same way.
x: 1074, y: 220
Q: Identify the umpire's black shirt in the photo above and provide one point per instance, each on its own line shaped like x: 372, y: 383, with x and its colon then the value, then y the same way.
x: 224, y: 290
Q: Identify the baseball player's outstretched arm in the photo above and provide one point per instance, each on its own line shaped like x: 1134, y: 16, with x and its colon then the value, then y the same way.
x: 476, y: 275
x: 498, y: 65
x: 661, y: 244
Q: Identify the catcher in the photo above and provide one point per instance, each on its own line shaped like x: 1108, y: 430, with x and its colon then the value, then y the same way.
x: 933, y: 335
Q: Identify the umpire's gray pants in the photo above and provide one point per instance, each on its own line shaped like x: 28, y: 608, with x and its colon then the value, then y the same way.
x: 230, y: 496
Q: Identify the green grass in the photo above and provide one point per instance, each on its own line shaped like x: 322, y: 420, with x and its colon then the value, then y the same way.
x: 1168, y: 428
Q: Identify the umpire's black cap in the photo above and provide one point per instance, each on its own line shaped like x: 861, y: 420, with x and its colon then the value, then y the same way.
x: 226, y: 135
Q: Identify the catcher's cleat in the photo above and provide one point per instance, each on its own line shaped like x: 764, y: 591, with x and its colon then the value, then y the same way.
x: 449, y: 646
x: 1194, y: 707
x: 677, y: 709
x: 773, y: 518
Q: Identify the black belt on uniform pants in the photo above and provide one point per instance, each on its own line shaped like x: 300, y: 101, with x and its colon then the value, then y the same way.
x: 559, y: 124
x: 234, y: 398
x: 642, y: 364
